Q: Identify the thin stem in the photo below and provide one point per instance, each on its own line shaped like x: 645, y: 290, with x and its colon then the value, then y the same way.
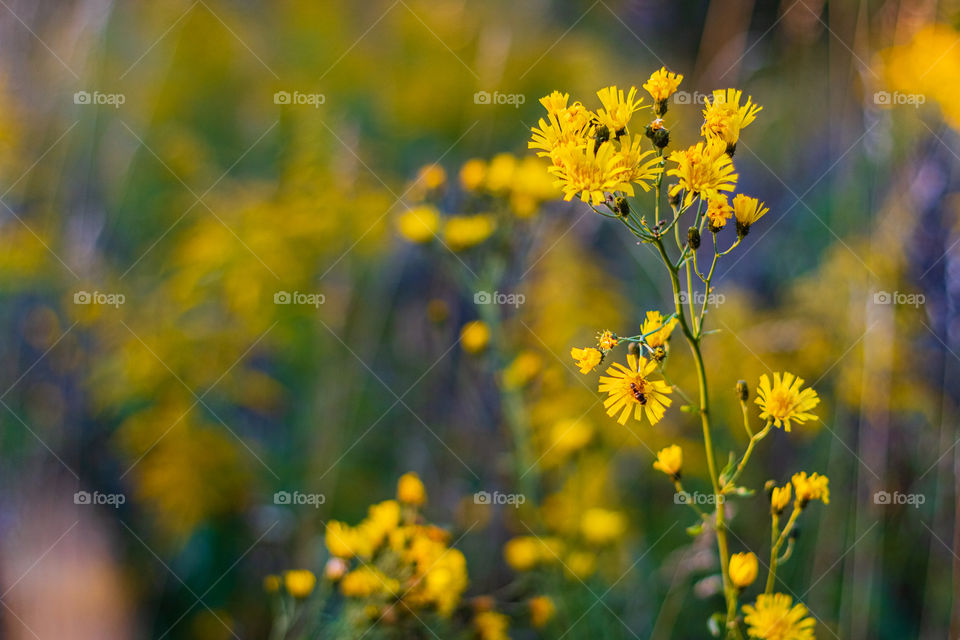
x: 746, y: 457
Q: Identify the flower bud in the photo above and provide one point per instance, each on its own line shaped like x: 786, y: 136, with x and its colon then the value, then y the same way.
x: 693, y: 238
x: 633, y: 349
x: 743, y: 391
x: 674, y: 198
x: 622, y: 206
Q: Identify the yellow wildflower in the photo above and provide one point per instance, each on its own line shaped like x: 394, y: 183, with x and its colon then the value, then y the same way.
x: 580, y: 564
x: 567, y: 436
x: 780, y: 498
x: 642, y: 167
x: 602, y: 526
x: 775, y: 617
x: 631, y: 391
x: 718, y: 212
x: 784, y: 402
x: 542, y: 610
x: 431, y: 176
x: 703, y: 170
x: 522, y: 370
x: 591, y: 172
x: 587, y: 359
x: 669, y: 460
x: 474, y: 336
x: 723, y: 117
x: 607, y: 340
x: 299, y: 582
x: 344, y: 541
x: 410, y: 489
x: 743, y: 569
x: 271, y: 583
x: 661, y: 85
x: 617, y: 108
x: 463, y: 232
x: 472, y: 174
x: 523, y: 552
x: 366, y: 581
x: 747, y: 211
x: 419, y: 224
x: 491, y: 625
x: 657, y: 337
x: 814, y: 487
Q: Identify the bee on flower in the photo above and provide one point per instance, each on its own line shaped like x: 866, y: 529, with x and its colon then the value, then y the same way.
x: 631, y: 391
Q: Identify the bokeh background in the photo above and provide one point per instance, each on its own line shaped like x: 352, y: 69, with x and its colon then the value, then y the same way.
x: 147, y: 164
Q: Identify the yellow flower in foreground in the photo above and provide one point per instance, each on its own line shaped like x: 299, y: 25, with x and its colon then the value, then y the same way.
x: 410, y: 489
x: 784, y: 402
x: 743, y: 569
x: 617, y: 108
x: 747, y: 211
x: 299, y: 582
x: 658, y: 329
x: 723, y: 117
x: 463, y: 232
x: 555, y: 103
x: 718, y: 212
x: 542, y: 611
x: 662, y: 84
x: 780, y: 498
x: 474, y: 336
x: 643, y: 167
x: 419, y: 224
x: 491, y: 625
x: 587, y: 359
x: 814, y: 487
x: 590, y: 173
x: 472, y: 174
x: 775, y: 617
x: 669, y: 460
x: 704, y: 170
x: 602, y: 526
x: 631, y: 391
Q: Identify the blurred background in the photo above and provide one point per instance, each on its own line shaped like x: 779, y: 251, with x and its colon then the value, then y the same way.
x: 209, y: 297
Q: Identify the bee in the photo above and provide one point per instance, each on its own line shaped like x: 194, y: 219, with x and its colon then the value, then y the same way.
x: 637, y: 394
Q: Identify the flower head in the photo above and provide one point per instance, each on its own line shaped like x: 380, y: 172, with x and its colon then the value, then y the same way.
x: 299, y: 582
x: 587, y: 359
x: 591, y: 172
x: 419, y: 224
x: 743, y: 569
x: 784, y: 401
x: 630, y: 390
x: 472, y: 174
x: 780, y: 498
x: 602, y: 526
x: 718, y: 212
x: 747, y: 211
x: 775, y: 617
x: 661, y: 85
x: 410, y: 489
x: 814, y: 487
x: 703, y: 170
x: 723, y: 117
x: 669, y: 460
x: 617, y: 107
x: 463, y: 232
x: 658, y: 329
x: 492, y: 625
x: 474, y: 336
x: 642, y: 167
x: 542, y: 610
x: 607, y: 340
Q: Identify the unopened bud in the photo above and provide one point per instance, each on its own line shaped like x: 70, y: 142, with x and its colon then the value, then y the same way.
x: 634, y: 348
x: 622, y: 206
x: 674, y: 198
x: 743, y: 391
x: 693, y: 238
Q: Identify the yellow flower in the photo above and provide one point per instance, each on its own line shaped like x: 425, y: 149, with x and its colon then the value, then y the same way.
x: 419, y: 224
x: 587, y: 359
x: 642, y: 166
x: 662, y: 84
x: 431, y: 176
x: 718, y: 212
x: 542, y: 610
x: 523, y: 552
x: 472, y: 174
x: 555, y: 103
x: 491, y: 625
x: 723, y: 117
x: 629, y: 388
x: 617, y: 109
x: 784, y: 402
x: 367, y: 581
x: 474, y: 336
x: 747, y: 210
x: 591, y: 172
x: 743, y: 569
x: 669, y: 460
x: 658, y: 329
x: 271, y: 584
x: 780, y: 498
x: 814, y: 487
x: 463, y: 232
x: 567, y: 436
x: 703, y: 170
x: 344, y: 541
x: 446, y: 577
x: 607, y: 340
x: 299, y: 582
x: 775, y: 617
x: 522, y: 370
x: 381, y: 519
x: 581, y: 564
x: 602, y: 526
x: 410, y: 489
x: 500, y: 173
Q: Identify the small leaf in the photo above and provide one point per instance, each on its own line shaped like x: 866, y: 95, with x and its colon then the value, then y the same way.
x: 688, y: 408
x: 695, y: 529
x: 727, y: 470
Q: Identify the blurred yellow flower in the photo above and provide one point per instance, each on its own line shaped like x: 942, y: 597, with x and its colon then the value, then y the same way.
x: 431, y: 176
x: 814, y: 487
x: 703, y: 170
x: 463, y: 232
x: 500, y: 172
x: 472, y: 174
x: 366, y: 581
x: 630, y: 391
x: 492, y: 625
x: 410, y: 489
x: 780, y: 498
x: 602, y: 526
x: 271, y: 583
x: 669, y: 461
x: 522, y: 370
x: 743, y: 569
x: 587, y: 359
x: 299, y: 582
x: 567, y: 436
x: 474, y: 336
x: 580, y: 564
x: 542, y: 610
x: 784, y: 401
x: 659, y: 330
x: 419, y: 224
x: 344, y: 541
x: 774, y: 617
x: 522, y: 553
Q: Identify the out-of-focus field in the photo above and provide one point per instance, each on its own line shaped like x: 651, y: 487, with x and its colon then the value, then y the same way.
x: 217, y: 338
